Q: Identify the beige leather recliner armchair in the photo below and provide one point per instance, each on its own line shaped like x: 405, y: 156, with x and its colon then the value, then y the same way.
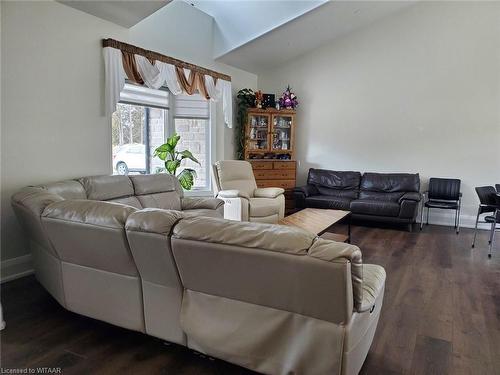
x: 235, y: 184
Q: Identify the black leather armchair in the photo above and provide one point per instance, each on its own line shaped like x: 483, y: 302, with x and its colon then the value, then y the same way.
x: 382, y: 197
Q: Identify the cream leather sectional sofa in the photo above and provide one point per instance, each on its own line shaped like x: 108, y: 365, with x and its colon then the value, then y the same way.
x: 132, y: 251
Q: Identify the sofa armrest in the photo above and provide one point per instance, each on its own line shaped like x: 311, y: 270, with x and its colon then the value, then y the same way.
x: 306, y: 190
x: 232, y: 194
x: 153, y: 220
x: 412, y: 196
x: 373, y: 284
x: 268, y: 192
x: 201, y: 203
x: 331, y: 251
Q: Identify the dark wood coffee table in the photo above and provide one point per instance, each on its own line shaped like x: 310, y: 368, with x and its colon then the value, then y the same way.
x: 321, y: 222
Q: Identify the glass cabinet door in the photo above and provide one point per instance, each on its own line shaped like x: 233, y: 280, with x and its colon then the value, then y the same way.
x: 282, y: 132
x: 258, y: 132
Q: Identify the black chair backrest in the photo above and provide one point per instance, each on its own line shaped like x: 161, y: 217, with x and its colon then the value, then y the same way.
x: 486, y: 195
x: 444, y: 188
x: 487, y: 198
x: 497, y: 186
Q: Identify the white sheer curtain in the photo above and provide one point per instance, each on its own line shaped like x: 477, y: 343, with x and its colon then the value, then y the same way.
x: 115, y: 78
x: 218, y: 91
x: 156, y: 75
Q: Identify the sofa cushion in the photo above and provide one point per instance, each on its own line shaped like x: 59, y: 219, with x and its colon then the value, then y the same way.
x: 169, y: 200
x: 352, y: 194
x: 340, y: 180
x: 379, y: 196
x: 103, y: 188
x: 91, y: 234
x: 260, y: 207
x: 128, y: 201
x: 374, y: 207
x: 203, y: 212
x: 69, y: 189
x: 328, y: 201
x: 390, y: 182
x: 154, y: 183
x: 279, y: 238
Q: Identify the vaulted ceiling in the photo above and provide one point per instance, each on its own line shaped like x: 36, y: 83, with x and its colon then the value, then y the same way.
x: 256, y: 35
x: 307, y: 32
x: 123, y: 13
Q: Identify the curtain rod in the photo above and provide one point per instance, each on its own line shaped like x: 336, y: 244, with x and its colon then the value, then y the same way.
x: 158, y: 56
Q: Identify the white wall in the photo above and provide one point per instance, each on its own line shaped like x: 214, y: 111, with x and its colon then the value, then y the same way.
x: 418, y: 91
x: 52, y: 77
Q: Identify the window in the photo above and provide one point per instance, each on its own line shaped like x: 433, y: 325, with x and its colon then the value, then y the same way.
x: 192, y: 123
x: 143, y: 120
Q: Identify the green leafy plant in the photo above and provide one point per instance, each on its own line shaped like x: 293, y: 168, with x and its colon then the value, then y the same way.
x: 245, y: 99
x: 173, y: 159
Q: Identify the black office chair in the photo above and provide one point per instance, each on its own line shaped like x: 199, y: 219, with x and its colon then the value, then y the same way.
x: 487, y: 202
x: 443, y: 193
x: 494, y: 220
x: 497, y: 186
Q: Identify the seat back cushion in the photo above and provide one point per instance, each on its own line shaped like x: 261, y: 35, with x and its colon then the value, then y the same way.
x: 262, y: 264
x: 91, y: 234
x: 380, y: 196
x: 69, y: 189
x: 335, y: 183
x: 103, y: 188
x: 444, y: 188
x: 236, y: 175
x: 158, y: 191
x: 118, y: 189
x: 390, y: 182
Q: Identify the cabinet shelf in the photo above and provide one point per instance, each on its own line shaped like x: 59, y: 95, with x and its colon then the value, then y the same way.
x: 279, y: 131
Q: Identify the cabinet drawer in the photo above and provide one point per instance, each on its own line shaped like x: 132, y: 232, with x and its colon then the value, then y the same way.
x: 285, y: 184
x: 261, y: 165
x: 263, y: 174
x: 284, y: 165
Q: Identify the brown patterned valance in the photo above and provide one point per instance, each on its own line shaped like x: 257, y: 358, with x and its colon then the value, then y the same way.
x: 151, y: 55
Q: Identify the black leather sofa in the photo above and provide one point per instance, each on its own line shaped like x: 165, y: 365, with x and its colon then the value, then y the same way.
x: 383, y: 197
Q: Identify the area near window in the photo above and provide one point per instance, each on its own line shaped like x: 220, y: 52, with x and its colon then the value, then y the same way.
x: 143, y: 120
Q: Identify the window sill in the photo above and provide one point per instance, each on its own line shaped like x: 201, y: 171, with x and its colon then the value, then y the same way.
x: 198, y: 193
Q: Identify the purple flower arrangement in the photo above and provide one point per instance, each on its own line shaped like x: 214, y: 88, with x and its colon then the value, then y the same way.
x: 288, y: 99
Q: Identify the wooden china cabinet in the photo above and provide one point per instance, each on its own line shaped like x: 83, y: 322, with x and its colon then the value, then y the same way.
x: 270, y: 148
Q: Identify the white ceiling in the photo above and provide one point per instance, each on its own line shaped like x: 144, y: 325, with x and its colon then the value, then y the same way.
x: 123, y: 13
x: 239, y: 21
x: 307, y: 32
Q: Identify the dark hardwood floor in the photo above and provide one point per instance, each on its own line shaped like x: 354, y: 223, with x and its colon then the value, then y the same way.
x: 441, y: 315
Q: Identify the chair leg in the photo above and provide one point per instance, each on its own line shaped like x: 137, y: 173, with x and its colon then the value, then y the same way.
x: 475, y: 228
x: 455, y: 219
x: 458, y: 215
x: 422, y: 216
x: 492, y: 237
x: 428, y: 209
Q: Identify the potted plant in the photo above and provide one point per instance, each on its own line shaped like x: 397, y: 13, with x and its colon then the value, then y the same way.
x: 173, y: 159
x: 246, y: 99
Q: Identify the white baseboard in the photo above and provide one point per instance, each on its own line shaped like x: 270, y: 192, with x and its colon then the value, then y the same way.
x: 15, y: 268
x: 438, y: 217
